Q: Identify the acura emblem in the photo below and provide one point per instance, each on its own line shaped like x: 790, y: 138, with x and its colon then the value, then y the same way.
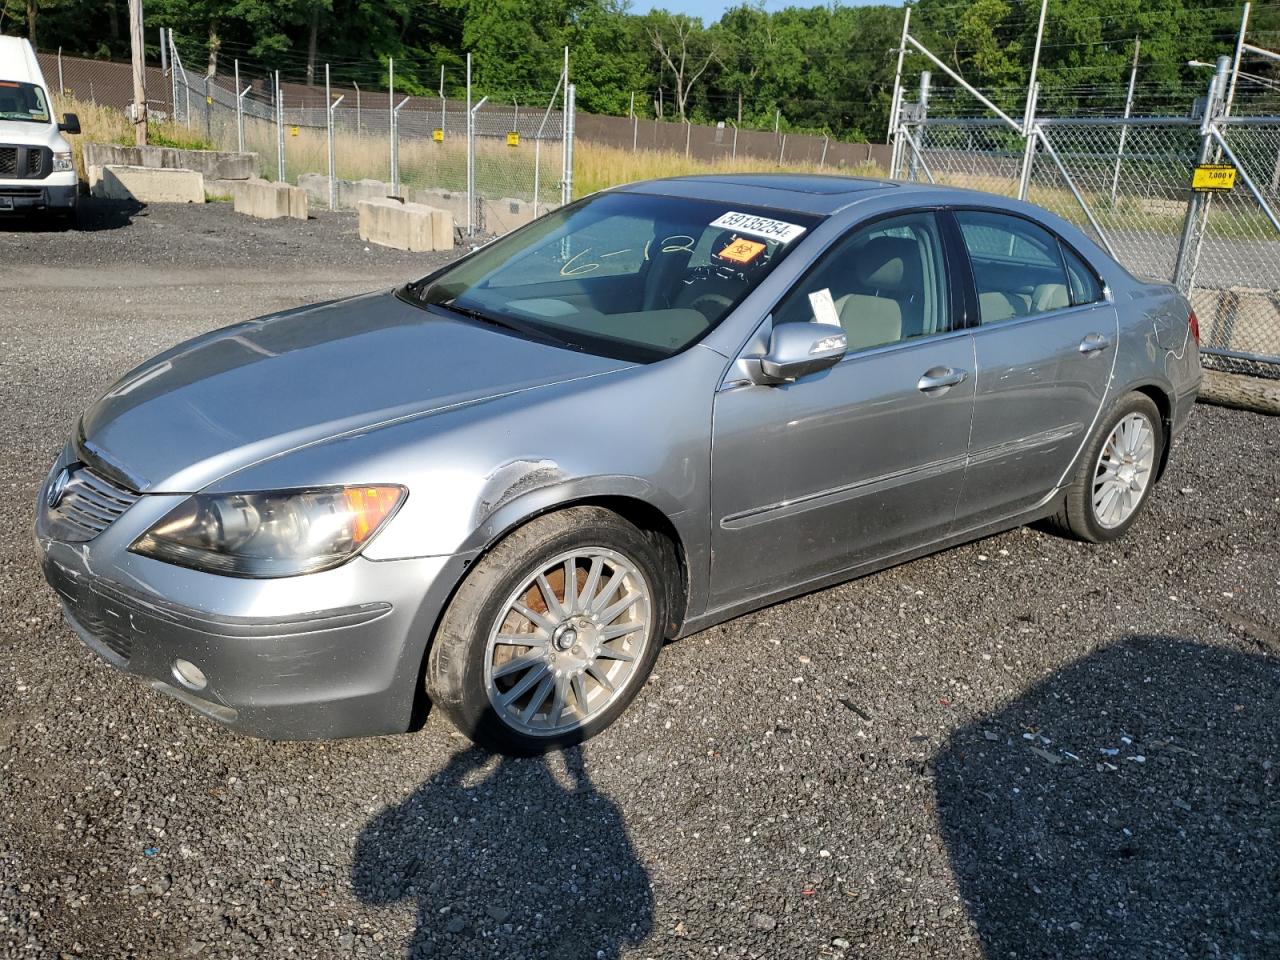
x: 58, y: 488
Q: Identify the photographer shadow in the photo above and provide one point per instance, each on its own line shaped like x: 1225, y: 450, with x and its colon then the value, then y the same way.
x: 505, y: 859
x: 1127, y: 806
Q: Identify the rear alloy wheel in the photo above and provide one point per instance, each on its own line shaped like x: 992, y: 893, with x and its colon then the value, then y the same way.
x: 552, y: 633
x: 1115, y: 473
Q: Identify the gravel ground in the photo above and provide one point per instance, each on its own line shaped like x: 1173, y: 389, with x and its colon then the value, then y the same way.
x: 1024, y: 747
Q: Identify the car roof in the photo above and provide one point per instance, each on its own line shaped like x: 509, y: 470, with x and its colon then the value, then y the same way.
x: 801, y: 192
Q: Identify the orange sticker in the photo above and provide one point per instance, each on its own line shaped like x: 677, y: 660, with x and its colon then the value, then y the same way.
x: 742, y: 251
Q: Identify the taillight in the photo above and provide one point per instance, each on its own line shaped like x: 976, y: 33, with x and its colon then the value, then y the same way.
x: 1194, y: 324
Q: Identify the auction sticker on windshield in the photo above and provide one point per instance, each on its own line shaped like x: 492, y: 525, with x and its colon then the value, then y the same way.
x: 778, y: 230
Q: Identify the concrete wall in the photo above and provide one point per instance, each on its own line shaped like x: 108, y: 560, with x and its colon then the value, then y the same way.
x: 213, y: 164
x: 146, y: 185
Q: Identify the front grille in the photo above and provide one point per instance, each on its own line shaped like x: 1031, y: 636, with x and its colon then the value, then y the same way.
x: 25, y: 163
x: 30, y: 193
x: 89, y: 504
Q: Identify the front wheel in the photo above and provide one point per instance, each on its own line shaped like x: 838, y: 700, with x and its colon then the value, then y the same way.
x: 552, y: 633
x: 1116, y: 472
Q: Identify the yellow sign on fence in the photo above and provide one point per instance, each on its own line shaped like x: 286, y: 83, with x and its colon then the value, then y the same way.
x: 1213, y: 176
x: 513, y: 139
x: 293, y: 131
x: 437, y: 135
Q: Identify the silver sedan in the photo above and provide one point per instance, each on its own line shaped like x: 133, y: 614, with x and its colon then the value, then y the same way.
x: 499, y: 489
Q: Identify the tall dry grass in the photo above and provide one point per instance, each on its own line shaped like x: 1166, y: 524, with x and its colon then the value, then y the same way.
x: 596, y: 166
x: 100, y: 124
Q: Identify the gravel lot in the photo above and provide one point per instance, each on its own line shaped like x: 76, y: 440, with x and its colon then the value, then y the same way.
x: 1024, y: 747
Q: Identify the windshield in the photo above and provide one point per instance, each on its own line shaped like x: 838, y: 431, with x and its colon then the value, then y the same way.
x: 622, y: 274
x: 23, y: 101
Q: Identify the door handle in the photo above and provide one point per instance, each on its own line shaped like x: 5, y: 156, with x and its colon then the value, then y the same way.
x: 940, y: 379
x: 1094, y: 342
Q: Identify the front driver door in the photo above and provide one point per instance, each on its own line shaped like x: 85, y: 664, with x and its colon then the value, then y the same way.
x: 861, y: 461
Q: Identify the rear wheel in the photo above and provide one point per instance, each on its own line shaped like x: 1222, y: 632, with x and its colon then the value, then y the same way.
x: 1116, y: 472
x: 552, y: 633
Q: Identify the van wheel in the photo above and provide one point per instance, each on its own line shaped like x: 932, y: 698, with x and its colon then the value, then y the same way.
x: 1115, y: 474
x: 552, y: 633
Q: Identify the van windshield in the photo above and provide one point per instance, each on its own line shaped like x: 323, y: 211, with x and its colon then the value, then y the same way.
x: 23, y: 101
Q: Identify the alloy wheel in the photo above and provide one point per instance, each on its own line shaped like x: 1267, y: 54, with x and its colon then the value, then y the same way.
x: 1123, y: 470
x: 568, y: 642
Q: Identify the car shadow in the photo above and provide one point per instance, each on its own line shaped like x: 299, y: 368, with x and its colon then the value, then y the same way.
x: 1127, y: 806
x: 93, y: 214
x: 508, y: 857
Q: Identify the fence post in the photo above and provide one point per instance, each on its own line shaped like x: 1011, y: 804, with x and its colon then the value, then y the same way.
x: 1029, y: 148
x: 208, y: 108
x: 328, y: 126
x: 279, y: 131
x: 925, y: 78
x: 62, y: 88
x: 735, y: 140
x: 471, y: 158
x: 826, y: 141
x: 173, y: 75
x: 571, y: 124
x: 359, y: 131
x: 1184, y: 265
x: 395, y: 147
x: 688, y: 132
x: 1128, y: 111
x: 391, y: 115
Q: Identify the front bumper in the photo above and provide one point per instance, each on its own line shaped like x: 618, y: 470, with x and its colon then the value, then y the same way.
x: 332, y: 654
x: 21, y: 196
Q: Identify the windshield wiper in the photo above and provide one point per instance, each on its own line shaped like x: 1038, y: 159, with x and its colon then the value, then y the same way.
x: 534, y: 333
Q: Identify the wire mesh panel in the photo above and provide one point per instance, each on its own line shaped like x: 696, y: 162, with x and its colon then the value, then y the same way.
x: 1234, y: 270
x: 518, y: 166
x: 978, y: 154
x: 1128, y: 182
x: 1133, y: 176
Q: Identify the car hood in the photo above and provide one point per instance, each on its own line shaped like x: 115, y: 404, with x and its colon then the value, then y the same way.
x: 234, y: 397
x: 32, y: 134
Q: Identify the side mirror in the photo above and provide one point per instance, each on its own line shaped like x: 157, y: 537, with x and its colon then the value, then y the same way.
x: 70, y: 123
x: 797, y: 350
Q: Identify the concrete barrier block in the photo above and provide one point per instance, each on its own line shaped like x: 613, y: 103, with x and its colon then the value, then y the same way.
x: 146, y: 184
x: 212, y: 164
x: 405, y: 226
x: 502, y: 216
x: 270, y: 201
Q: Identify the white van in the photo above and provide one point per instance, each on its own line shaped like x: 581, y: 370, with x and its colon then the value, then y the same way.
x: 37, y: 170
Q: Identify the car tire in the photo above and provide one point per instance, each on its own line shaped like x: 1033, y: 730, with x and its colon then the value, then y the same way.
x: 1115, y: 474
x: 473, y: 666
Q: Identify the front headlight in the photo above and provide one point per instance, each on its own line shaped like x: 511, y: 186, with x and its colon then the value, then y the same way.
x: 275, y: 534
x: 63, y: 162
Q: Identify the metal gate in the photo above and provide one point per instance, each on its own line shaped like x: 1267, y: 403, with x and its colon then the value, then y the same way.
x: 1128, y: 182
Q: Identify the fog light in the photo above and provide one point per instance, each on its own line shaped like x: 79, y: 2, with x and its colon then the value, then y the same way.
x: 189, y: 675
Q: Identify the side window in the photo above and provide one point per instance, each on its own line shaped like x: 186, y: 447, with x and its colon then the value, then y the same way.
x: 1085, y: 287
x: 1017, y: 266
x: 887, y: 281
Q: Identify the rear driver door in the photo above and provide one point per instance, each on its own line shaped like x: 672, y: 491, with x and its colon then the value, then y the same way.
x: 1045, y: 348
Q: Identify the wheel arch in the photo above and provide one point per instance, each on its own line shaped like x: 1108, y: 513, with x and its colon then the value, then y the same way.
x: 1163, y: 399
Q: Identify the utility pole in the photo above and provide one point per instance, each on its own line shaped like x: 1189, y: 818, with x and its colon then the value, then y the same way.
x: 139, y: 74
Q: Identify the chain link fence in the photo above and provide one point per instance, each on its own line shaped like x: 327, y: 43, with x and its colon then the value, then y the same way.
x: 1128, y: 182
x: 495, y: 167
